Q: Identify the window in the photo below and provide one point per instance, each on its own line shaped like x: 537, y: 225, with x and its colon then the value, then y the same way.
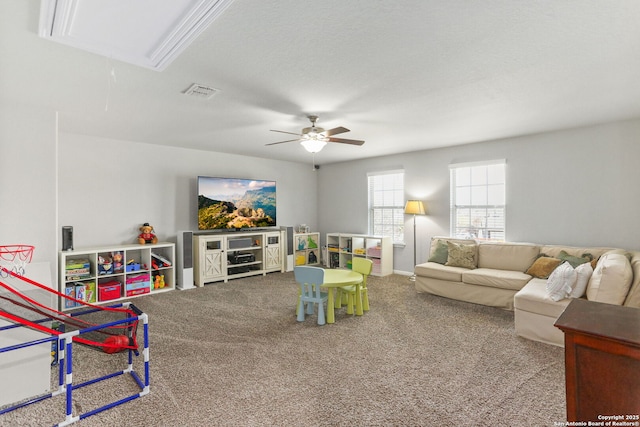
x: 386, y: 204
x: 478, y: 200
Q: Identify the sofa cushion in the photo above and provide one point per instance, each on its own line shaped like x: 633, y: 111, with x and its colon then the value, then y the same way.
x: 461, y: 255
x: 507, y: 256
x: 439, y: 271
x: 533, y: 298
x: 441, y: 252
x: 560, y: 283
x: 504, y: 279
x: 611, y: 279
x: 543, y: 267
x: 583, y: 273
x: 633, y: 297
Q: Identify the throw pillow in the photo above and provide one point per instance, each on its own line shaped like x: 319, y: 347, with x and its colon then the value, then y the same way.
x: 561, y: 282
x: 583, y: 273
x: 575, y: 260
x: 440, y: 253
x: 611, y: 279
x: 461, y: 255
x: 543, y: 266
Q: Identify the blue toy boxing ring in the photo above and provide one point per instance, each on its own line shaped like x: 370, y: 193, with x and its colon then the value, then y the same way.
x: 22, y: 311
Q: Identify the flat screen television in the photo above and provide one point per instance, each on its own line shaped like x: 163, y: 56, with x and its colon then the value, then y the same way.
x: 232, y: 203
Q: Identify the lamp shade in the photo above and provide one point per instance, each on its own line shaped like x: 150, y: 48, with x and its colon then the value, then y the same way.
x: 414, y: 207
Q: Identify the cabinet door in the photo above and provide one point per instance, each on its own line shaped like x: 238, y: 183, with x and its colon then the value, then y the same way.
x: 274, y: 260
x: 209, y: 259
x: 213, y: 265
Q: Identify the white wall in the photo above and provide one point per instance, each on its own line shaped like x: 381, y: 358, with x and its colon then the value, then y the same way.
x: 109, y: 188
x: 573, y: 187
x: 28, y: 179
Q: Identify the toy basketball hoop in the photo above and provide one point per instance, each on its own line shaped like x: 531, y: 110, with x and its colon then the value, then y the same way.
x: 13, y: 259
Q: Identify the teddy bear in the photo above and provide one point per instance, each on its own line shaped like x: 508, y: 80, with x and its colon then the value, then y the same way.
x: 146, y: 235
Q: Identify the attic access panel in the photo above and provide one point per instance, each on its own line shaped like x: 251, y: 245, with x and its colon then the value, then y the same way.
x: 147, y: 33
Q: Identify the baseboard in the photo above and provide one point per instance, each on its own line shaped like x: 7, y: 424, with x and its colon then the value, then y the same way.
x: 403, y: 273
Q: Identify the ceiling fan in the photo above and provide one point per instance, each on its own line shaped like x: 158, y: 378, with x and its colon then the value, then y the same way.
x: 314, y: 138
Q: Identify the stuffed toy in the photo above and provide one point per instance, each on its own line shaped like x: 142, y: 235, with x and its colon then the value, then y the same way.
x: 118, y: 265
x: 146, y: 235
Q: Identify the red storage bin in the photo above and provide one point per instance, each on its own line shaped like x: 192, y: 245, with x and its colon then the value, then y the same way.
x: 138, y: 287
x: 109, y: 290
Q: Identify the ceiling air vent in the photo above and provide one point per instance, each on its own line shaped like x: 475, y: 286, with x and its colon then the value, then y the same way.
x: 201, y: 91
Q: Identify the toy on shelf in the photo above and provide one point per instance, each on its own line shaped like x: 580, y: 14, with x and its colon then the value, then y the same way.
x: 105, y: 264
x: 132, y: 265
x: 118, y: 264
x: 159, y: 282
x: 301, y: 243
x: 158, y: 261
x: 146, y: 236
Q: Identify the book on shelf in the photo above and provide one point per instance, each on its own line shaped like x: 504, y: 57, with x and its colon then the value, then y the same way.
x: 73, y: 277
x: 78, y: 272
x: 74, y: 264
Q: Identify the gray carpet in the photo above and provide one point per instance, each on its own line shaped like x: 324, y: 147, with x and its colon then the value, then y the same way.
x: 233, y: 354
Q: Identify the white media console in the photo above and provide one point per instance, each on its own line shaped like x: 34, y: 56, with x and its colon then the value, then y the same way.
x: 212, y: 257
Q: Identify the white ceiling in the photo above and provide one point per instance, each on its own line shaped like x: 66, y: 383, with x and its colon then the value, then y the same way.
x: 402, y: 75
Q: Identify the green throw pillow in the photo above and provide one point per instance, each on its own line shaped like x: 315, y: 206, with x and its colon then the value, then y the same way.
x: 440, y: 254
x: 461, y: 255
x: 575, y: 260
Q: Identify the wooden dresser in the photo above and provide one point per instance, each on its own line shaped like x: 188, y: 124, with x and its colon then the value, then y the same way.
x: 602, y: 361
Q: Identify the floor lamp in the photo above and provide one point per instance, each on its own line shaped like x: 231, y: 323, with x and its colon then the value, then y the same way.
x: 414, y: 207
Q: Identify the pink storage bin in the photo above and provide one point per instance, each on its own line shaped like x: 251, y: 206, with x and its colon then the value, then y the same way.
x: 374, y: 251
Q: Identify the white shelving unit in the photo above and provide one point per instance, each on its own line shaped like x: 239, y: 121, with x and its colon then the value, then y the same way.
x: 343, y: 247
x: 306, y: 248
x: 113, y: 273
x: 220, y: 257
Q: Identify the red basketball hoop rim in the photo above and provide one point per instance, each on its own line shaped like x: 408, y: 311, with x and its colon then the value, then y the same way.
x: 15, y: 257
x: 11, y: 252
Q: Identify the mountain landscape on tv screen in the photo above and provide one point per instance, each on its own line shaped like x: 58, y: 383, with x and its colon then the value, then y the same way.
x: 254, y: 208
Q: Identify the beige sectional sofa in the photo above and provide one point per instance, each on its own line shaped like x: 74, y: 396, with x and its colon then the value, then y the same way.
x: 514, y: 276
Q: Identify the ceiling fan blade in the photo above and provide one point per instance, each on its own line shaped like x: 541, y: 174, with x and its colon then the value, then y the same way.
x: 335, y: 131
x: 282, y: 131
x: 282, y: 142
x: 346, y: 141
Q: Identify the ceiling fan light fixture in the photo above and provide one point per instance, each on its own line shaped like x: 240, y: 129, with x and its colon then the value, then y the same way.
x: 313, y: 138
x: 313, y: 145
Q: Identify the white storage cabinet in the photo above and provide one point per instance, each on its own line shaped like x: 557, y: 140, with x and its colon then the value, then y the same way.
x: 113, y: 273
x: 306, y: 248
x: 343, y: 247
